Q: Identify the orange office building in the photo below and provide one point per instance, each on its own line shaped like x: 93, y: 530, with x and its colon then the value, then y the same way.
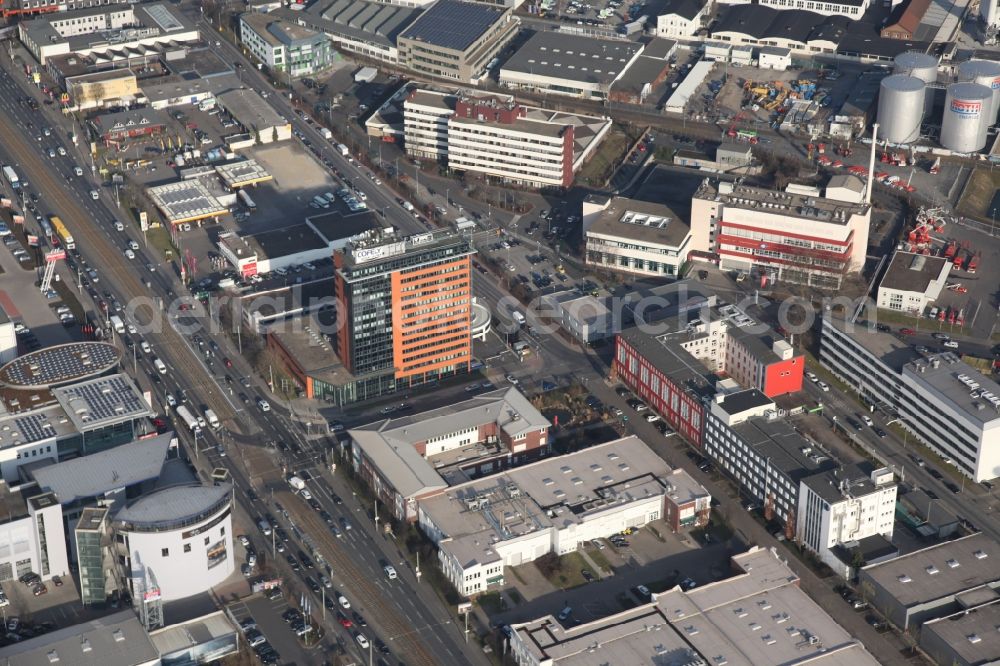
x: 405, y: 309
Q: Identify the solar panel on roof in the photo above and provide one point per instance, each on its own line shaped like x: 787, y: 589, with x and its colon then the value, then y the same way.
x: 55, y: 365
x: 452, y: 25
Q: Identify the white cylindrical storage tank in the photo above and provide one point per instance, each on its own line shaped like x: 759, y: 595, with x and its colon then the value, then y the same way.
x: 921, y: 66
x: 963, y: 128
x: 900, y: 108
x: 985, y: 73
x: 915, y: 63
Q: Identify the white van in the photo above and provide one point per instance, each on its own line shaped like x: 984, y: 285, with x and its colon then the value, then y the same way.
x: 160, y: 366
x: 518, y: 317
x: 145, y: 347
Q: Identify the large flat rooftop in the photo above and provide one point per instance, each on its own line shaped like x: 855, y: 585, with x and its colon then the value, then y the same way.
x: 335, y: 228
x: 573, y: 57
x: 557, y: 491
x: 778, y: 441
x: 112, y: 640
x: 788, y: 204
x: 892, y: 351
x: 643, y: 221
x: 939, y: 571
x: 912, y: 272
x: 758, y: 617
x: 285, y: 241
x: 972, y: 633
x: 958, y: 384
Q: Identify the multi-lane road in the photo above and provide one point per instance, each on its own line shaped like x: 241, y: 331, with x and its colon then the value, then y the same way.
x: 409, y: 619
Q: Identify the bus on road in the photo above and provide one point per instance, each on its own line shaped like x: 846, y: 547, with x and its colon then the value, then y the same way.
x: 11, y: 177
x: 65, y: 237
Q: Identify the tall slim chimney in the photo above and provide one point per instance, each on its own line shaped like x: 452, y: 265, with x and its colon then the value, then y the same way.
x: 871, y: 165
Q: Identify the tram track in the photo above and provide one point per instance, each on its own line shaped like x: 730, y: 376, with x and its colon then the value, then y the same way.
x: 99, y: 251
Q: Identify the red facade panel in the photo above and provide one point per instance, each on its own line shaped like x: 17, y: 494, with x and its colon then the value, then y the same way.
x: 689, y: 414
x: 783, y: 377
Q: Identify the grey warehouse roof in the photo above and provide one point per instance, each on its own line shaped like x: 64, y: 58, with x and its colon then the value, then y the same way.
x: 452, y: 24
x: 572, y: 57
x: 113, y: 640
x: 102, y: 472
x: 371, y: 22
x: 958, y: 566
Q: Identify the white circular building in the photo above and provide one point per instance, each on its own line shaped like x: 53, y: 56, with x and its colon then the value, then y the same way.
x: 481, y: 320
x: 177, y: 541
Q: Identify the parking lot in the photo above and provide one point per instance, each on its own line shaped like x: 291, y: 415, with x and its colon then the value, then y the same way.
x: 266, y: 614
x: 40, y: 319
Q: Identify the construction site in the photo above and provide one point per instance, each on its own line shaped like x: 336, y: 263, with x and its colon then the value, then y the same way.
x: 794, y: 101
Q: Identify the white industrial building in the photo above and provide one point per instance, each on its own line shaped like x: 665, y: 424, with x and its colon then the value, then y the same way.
x: 760, y: 615
x: 852, y: 9
x: 495, y: 136
x: 108, y: 32
x: 950, y: 406
x: 841, y: 508
x: 554, y: 505
x: 177, y: 541
x: 912, y: 282
x: 681, y: 19
x: 774, y: 57
x: 799, y: 235
x: 637, y: 237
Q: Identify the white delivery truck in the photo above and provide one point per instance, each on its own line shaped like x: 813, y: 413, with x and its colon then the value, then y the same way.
x: 117, y: 323
x: 343, y: 149
x: 518, y: 317
x: 299, y: 486
x: 161, y: 367
x: 327, y: 134
x: 189, y: 420
x: 213, y: 420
